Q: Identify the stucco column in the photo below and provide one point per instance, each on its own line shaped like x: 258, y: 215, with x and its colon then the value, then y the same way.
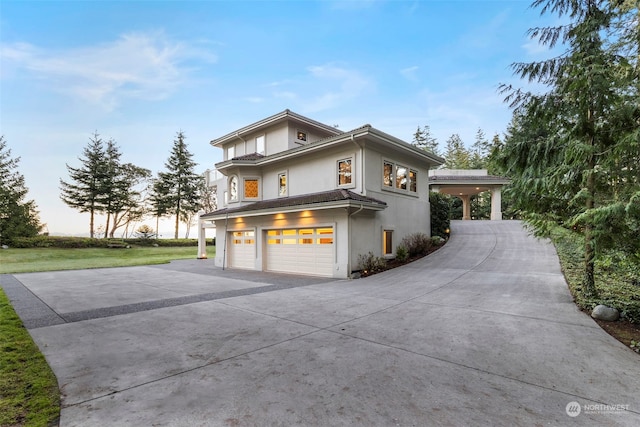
x: 496, y: 204
x: 202, y: 240
x: 466, y: 207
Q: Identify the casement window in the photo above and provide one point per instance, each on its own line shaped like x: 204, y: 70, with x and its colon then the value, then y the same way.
x: 282, y: 184
x: 251, y: 188
x: 387, y: 242
x: 387, y: 174
x: 231, y: 152
x: 401, y: 177
x: 413, y: 181
x: 345, y: 177
x: 233, y: 188
x: 260, y: 147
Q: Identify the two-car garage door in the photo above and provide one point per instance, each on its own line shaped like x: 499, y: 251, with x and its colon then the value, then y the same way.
x: 293, y: 250
x: 300, y: 251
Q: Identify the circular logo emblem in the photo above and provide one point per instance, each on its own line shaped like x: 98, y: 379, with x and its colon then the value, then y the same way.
x: 573, y: 409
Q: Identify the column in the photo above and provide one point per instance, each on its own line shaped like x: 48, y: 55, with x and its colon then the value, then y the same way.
x: 466, y: 207
x: 202, y: 240
x: 496, y: 204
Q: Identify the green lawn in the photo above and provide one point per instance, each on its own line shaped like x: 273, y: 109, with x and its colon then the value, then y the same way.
x: 28, y: 389
x: 50, y: 259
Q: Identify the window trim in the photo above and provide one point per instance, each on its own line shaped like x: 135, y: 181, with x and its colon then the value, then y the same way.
x: 386, y: 254
x: 251, y: 178
x: 262, y: 137
x: 304, y: 140
x: 393, y: 183
x: 351, y: 184
x: 232, y: 197
x: 231, y: 151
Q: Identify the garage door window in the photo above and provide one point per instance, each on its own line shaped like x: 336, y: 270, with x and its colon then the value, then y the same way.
x: 243, y: 238
x: 302, y: 236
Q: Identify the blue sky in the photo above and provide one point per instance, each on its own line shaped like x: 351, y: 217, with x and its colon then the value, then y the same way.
x: 139, y: 71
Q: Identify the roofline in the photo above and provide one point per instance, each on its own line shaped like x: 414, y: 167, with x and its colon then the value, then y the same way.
x: 361, y: 132
x: 224, y: 214
x: 271, y: 120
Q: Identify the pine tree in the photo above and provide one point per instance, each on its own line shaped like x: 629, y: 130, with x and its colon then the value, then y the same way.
x: 86, y: 189
x: 456, y: 155
x: 177, y: 191
x: 423, y: 139
x: 18, y: 217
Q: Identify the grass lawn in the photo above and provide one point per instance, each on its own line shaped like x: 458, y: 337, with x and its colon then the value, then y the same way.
x: 50, y: 259
x: 28, y: 389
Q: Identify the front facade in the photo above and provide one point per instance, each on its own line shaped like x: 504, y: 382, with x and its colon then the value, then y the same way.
x: 302, y: 197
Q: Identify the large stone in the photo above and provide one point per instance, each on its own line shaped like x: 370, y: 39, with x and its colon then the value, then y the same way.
x: 608, y: 314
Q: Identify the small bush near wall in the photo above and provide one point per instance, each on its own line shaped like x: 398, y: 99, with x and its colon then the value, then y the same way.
x: 440, y: 214
x: 371, y: 264
x: 416, y: 244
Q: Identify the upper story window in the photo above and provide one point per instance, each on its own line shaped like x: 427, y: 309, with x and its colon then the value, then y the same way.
x: 401, y: 178
x: 233, y: 188
x: 282, y: 184
x: 387, y: 174
x: 260, y: 144
x: 251, y: 189
x: 344, y: 172
x: 231, y: 152
x: 413, y: 181
x: 301, y: 136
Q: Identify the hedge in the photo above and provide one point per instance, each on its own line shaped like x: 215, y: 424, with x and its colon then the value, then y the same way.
x: 87, y: 242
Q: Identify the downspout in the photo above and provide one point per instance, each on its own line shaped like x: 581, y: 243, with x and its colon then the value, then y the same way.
x: 349, y: 237
x: 362, y: 168
x: 224, y: 248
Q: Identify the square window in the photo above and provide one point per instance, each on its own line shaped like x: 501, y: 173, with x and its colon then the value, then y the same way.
x: 401, y: 177
x: 387, y: 174
x: 282, y: 184
x: 231, y: 152
x: 387, y: 242
x: 251, y: 188
x: 301, y: 136
x: 413, y: 179
x: 260, y: 144
x: 344, y: 172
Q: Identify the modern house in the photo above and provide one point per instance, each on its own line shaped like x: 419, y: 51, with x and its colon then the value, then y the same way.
x: 299, y: 196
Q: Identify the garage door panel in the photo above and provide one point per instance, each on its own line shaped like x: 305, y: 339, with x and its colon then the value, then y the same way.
x: 242, y: 250
x: 307, y: 253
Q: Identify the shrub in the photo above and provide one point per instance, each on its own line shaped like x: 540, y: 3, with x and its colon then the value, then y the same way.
x: 145, y: 232
x: 440, y: 213
x: 416, y: 244
x: 437, y: 240
x: 370, y: 263
x: 402, y: 253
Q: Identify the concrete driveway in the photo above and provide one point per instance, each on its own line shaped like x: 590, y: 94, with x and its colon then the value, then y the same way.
x: 482, y: 332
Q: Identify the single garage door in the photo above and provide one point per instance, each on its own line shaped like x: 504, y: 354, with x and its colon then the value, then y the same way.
x: 242, y: 249
x: 301, y: 251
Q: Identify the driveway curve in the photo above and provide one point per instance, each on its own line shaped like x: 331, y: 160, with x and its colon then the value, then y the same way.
x: 481, y: 332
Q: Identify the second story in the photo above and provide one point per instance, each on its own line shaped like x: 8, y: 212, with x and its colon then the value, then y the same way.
x: 288, y: 155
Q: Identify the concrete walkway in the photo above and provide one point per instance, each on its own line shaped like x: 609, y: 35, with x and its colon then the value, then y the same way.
x: 482, y: 332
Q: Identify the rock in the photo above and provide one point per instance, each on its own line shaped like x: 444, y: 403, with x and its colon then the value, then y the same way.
x: 5, y: 247
x: 608, y: 314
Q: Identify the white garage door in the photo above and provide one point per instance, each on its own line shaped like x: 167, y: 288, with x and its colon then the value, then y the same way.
x: 242, y: 249
x: 300, y: 251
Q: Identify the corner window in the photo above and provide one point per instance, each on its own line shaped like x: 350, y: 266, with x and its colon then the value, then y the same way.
x: 387, y: 174
x: 387, y: 242
x: 282, y: 184
x: 401, y: 177
x: 231, y: 152
x: 233, y: 188
x: 251, y: 188
x: 413, y: 181
x: 260, y: 144
x: 344, y: 172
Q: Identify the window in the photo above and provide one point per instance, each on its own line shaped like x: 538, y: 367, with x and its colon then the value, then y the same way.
x: 231, y: 152
x: 251, y: 188
x: 387, y: 242
x: 273, y: 237
x: 413, y: 179
x: 387, y: 174
x: 260, y: 144
x: 401, y: 177
x: 344, y: 172
x: 301, y: 136
x: 290, y: 237
x: 326, y: 236
x: 233, y: 188
x: 282, y: 184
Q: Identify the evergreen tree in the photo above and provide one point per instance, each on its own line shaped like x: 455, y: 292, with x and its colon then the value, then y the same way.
x: 128, y: 203
x: 177, y: 191
x: 423, y: 139
x: 480, y: 151
x: 456, y: 155
x: 573, y: 150
x: 18, y: 217
x: 86, y: 189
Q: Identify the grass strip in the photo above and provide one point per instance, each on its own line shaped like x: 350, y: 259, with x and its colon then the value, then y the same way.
x: 29, y: 393
x: 51, y: 259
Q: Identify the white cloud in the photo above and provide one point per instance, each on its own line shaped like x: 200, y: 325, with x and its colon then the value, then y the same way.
x: 410, y: 73
x: 340, y: 85
x: 137, y: 65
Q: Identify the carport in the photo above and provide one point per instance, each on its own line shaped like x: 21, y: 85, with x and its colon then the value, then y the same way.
x: 466, y: 183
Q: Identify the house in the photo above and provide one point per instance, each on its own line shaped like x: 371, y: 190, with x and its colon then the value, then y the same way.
x: 299, y: 196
